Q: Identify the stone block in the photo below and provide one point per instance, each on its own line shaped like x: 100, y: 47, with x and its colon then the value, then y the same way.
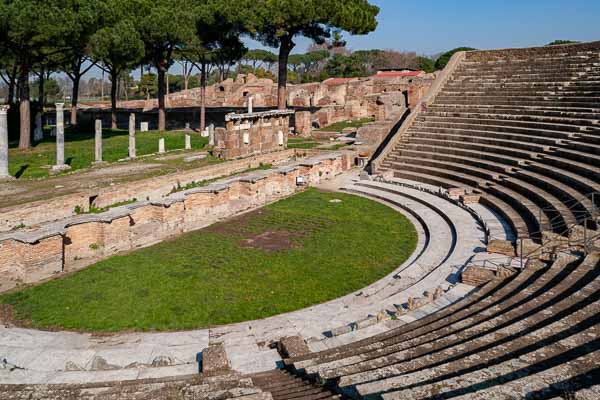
x: 470, y: 199
x: 505, y: 272
x: 456, y: 193
x: 215, y: 361
x: 364, y: 323
x: 341, y: 330
x: 476, y: 276
x: 504, y: 247
x: 292, y: 346
x: 439, y: 292
x: 144, y: 126
x: 387, y: 175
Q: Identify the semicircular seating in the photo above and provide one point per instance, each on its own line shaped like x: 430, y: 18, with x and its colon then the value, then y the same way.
x: 521, y: 130
x: 519, y: 126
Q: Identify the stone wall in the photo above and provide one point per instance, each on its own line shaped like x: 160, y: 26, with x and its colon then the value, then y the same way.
x: 73, y: 243
x: 333, y: 100
x: 252, y: 134
x: 31, y: 214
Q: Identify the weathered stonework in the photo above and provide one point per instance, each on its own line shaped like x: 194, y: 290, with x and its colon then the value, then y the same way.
x: 154, y: 189
x: 293, y: 346
x: 476, y: 276
x: 252, y: 134
x: 73, y: 243
x: 214, y: 361
x: 505, y: 247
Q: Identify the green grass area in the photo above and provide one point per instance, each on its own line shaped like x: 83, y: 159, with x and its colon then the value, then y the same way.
x: 336, y: 146
x: 302, y: 143
x: 218, y: 275
x: 79, y: 150
x: 339, y: 126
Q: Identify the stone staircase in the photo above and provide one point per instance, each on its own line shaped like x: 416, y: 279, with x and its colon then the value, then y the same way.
x: 519, y: 127
x: 535, y: 331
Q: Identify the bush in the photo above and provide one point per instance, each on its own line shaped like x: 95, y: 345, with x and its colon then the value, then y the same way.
x: 444, y: 58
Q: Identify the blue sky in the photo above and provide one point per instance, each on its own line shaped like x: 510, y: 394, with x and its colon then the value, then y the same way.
x: 429, y: 27
x: 433, y: 26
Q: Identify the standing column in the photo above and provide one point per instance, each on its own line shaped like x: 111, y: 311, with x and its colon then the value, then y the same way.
x: 98, y: 141
x: 161, y: 145
x: 250, y: 104
x: 188, y: 142
x: 132, y: 135
x: 4, y: 174
x: 60, y: 139
x: 211, y: 135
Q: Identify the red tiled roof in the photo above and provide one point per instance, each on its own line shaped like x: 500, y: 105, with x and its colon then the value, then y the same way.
x: 337, y: 81
x: 397, y: 74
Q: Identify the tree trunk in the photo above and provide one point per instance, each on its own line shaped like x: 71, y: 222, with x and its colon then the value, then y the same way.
x: 24, y: 108
x: 102, y: 86
x: 12, y: 85
x: 284, y: 52
x: 167, y: 83
x: 114, y: 76
x: 75, y: 100
x: 41, y: 88
x: 187, y: 71
x: 126, y: 84
x: 203, y: 97
x: 162, y: 123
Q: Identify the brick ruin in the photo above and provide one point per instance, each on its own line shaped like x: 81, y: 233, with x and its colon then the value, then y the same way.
x: 50, y: 249
x: 380, y: 96
x: 252, y: 133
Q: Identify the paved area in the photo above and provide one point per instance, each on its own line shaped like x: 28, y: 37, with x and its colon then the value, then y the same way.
x: 45, y: 357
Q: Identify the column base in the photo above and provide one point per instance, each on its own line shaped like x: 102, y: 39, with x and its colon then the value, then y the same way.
x: 7, y: 178
x: 59, y: 168
x: 99, y: 163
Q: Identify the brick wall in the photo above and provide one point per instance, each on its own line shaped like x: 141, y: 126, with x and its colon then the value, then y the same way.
x: 82, y: 240
x: 58, y: 208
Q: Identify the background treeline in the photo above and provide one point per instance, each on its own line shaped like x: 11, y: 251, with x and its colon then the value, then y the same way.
x: 38, y: 37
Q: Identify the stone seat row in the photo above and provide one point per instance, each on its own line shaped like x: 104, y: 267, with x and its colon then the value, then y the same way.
x: 432, y: 267
x: 541, y: 314
x: 516, y: 113
x: 184, y: 387
x: 580, y: 148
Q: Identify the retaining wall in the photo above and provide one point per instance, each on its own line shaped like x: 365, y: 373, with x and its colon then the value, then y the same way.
x: 60, y: 247
x: 156, y: 188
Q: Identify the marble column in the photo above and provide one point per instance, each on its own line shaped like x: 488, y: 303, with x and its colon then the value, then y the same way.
x: 188, y: 142
x: 161, y: 145
x: 60, y: 139
x: 211, y: 135
x: 98, y: 141
x: 250, y: 104
x: 132, y: 135
x: 4, y: 174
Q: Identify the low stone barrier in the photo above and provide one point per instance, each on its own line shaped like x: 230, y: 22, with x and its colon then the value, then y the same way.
x: 38, y: 212
x: 28, y: 256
